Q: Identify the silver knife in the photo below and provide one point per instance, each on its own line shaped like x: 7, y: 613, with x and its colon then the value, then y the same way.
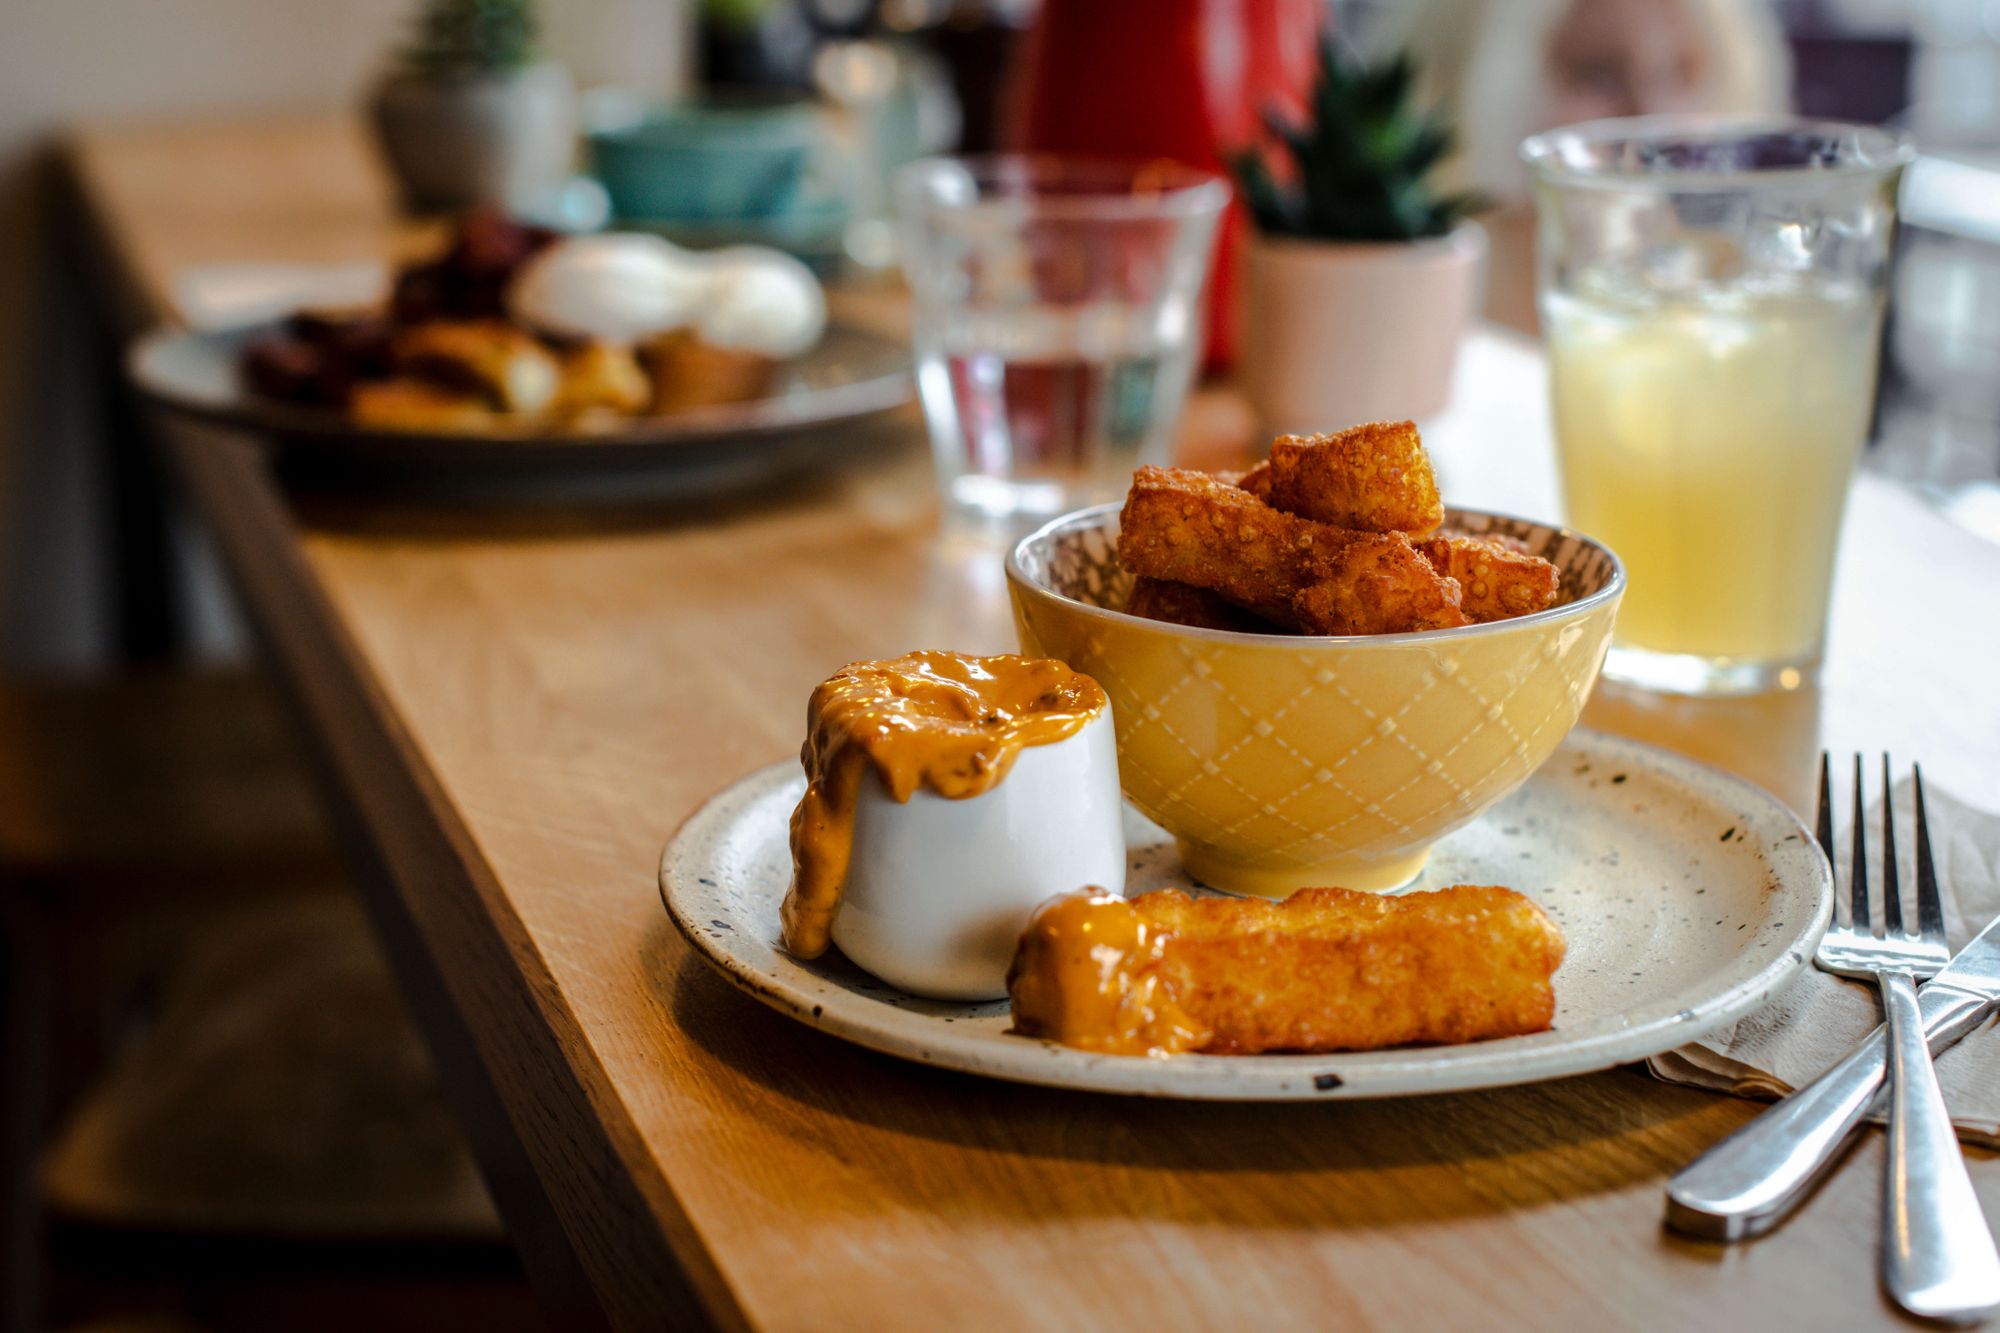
x: 1751, y: 1181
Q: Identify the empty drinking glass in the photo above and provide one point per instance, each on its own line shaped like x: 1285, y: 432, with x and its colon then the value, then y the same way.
x: 1058, y: 320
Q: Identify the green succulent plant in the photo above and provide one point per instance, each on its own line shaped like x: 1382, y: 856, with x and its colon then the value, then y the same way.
x: 461, y: 39
x: 1360, y: 164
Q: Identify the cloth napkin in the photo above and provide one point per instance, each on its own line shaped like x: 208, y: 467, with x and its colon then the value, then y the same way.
x: 1821, y: 1017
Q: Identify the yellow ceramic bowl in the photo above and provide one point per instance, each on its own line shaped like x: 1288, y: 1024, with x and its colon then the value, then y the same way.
x: 1280, y: 761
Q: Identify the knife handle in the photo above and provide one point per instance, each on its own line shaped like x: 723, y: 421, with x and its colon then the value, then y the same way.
x: 1752, y: 1180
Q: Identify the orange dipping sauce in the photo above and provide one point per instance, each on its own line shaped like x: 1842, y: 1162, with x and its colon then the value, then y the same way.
x: 1087, y: 976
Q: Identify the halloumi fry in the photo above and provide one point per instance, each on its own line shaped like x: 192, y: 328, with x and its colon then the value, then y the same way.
x: 1185, y: 604
x: 687, y: 372
x: 1257, y: 481
x: 1324, y: 970
x: 1496, y: 579
x: 1376, y: 478
x: 506, y: 365
x: 602, y: 375
x: 1189, y: 527
x: 1377, y: 584
x: 413, y: 405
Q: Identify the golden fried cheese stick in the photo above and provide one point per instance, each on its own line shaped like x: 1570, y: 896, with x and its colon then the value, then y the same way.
x: 1257, y: 481
x: 600, y: 376
x: 1189, y: 527
x: 413, y: 405
x: 1496, y: 580
x: 504, y: 364
x: 1324, y: 970
x: 1375, y: 477
x: 1378, y: 584
x: 1185, y: 604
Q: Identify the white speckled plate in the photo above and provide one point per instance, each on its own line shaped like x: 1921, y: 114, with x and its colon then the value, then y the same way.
x: 1688, y: 897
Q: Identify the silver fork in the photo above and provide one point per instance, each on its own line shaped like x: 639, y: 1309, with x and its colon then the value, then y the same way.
x: 1938, y: 1257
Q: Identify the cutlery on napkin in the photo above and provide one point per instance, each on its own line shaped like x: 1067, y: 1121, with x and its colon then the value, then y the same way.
x: 1820, y: 1017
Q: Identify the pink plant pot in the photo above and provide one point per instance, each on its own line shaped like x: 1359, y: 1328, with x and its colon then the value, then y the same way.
x: 1337, y: 333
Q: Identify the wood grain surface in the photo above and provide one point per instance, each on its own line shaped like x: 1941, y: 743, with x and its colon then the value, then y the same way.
x: 521, y: 705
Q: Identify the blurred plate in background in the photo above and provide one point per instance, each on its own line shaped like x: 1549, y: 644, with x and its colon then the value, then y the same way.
x: 850, y: 377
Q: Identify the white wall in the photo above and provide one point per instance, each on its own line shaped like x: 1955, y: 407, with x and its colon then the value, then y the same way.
x: 67, y: 60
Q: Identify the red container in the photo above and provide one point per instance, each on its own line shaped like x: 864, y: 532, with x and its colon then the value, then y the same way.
x: 1183, y: 79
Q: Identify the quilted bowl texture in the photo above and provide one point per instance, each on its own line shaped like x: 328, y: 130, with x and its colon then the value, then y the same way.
x: 1279, y: 761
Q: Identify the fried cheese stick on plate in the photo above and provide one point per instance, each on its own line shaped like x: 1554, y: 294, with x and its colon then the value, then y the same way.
x: 1375, y: 477
x: 502, y: 363
x: 414, y: 405
x: 1324, y: 970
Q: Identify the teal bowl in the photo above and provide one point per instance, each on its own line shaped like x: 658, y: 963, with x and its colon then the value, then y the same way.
x: 707, y: 161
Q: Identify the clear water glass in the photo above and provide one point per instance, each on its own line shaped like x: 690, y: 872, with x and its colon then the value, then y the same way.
x: 1711, y: 294
x: 1058, y: 320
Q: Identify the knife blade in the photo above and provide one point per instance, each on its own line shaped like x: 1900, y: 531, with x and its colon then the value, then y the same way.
x: 1752, y: 1180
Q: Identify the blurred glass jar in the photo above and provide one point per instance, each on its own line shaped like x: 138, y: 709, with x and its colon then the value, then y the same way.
x: 891, y: 104
x: 1058, y: 316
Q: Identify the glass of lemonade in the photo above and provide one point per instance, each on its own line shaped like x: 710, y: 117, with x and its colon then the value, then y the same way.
x: 1058, y: 318
x: 1711, y: 292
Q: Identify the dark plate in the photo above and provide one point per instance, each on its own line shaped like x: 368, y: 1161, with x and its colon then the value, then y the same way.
x: 851, y: 376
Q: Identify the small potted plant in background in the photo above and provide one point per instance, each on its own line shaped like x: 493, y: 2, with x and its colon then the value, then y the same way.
x: 1359, y: 277
x: 470, y: 114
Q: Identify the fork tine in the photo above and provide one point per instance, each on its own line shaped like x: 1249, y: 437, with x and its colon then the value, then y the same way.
x: 1930, y: 910
x: 1857, y: 873
x: 1826, y: 823
x: 1892, y: 884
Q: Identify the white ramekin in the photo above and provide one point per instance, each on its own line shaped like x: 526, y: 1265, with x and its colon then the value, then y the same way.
x: 938, y: 891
